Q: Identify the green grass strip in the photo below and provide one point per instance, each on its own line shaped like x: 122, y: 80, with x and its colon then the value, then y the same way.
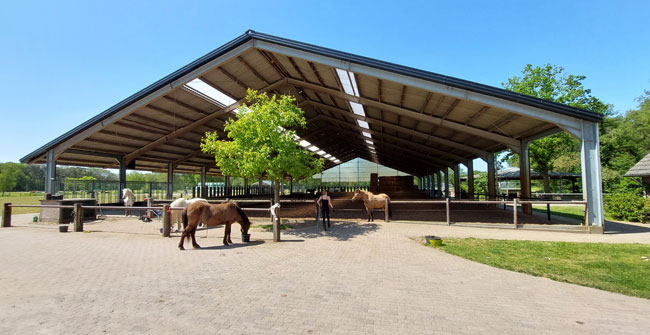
x: 611, y: 267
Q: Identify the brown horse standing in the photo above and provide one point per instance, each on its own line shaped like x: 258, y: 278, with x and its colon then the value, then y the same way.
x: 212, y: 215
x: 372, y: 201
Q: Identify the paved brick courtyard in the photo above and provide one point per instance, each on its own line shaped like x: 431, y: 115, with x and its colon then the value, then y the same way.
x: 122, y: 277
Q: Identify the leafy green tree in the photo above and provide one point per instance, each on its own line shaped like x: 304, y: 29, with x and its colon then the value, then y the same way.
x: 261, y: 142
x: 9, y: 173
x: 551, y: 83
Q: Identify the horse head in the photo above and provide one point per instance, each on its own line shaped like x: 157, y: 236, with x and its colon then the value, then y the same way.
x: 358, y: 195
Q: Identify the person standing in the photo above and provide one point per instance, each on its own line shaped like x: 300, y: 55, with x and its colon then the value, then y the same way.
x: 325, y: 204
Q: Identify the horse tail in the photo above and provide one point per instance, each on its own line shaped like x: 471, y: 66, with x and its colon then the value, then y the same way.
x: 184, y: 215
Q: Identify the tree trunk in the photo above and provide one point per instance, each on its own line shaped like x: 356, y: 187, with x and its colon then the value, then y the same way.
x: 276, y: 220
x: 546, y: 179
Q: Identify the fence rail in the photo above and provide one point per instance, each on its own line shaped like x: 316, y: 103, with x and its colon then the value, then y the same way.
x: 166, y: 209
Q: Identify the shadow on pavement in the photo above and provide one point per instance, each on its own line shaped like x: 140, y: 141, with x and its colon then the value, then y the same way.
x: 613, y: 227
x: 226, y: 247
x: 342, y: 231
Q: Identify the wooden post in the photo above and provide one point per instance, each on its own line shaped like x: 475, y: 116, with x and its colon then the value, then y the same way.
x: 6, y: 215
x: 386, y: 219
x: 548, y: 211
x: 448, y: 214
x: 78, y: 218
x: 514, y: 211
x: 167, y: 221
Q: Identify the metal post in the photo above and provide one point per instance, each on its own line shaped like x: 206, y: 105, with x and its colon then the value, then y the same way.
x: 470, y: 179
x: 291, y: 185
x: 514, y: 211
x: 203, y: 192
x: 457, y: 192
x: 439, y: 183
x: 524, y: 176
x: 122, y: 177
x: 491, y: 171
x: 446, y: 172
x: 592, y: 187
x: 170, y: 180
x: 167, y: 221
x: 78, y: 218
x: 6, y: 215
x: 548, y: 211
x: 50, y: 172
x: 448, y: 211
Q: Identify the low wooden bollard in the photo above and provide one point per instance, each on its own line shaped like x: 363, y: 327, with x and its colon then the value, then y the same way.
x: 386, y: 211
x: 514, y: 212
x: 78, y: 218
x: 6, y: 215
x: 448, y: 212
x: 167, y: 222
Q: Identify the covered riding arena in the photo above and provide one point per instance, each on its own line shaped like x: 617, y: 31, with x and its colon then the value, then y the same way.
x: 418, y: 122
x: 119, y: 275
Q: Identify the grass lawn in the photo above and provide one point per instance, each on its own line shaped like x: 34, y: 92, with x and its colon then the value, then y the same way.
x: 23, y: 199
x: 610, y: 267
x: 570, y: 211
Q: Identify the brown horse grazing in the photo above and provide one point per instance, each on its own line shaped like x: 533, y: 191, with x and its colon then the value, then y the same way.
x: 212, y: 215
x: 372, y: 201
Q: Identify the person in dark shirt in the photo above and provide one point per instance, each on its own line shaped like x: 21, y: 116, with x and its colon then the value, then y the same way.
x: 325, y: 204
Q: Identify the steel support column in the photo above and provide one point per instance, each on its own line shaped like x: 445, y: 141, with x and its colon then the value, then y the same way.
x: 446, y: 172
x: 122, y: 177
x: 492, y: 176
x: 50, y: 172
x: 470, y: 179
x: 439, y: 183
x: 204, y: 191
x: 227, y: 186
x: 457, y: 192
x: 524, y: 176
x: 591, y: 176
x: 170, y: 180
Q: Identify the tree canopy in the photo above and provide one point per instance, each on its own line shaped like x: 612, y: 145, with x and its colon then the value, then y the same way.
x: 550, y: 82
x: 261, y: 142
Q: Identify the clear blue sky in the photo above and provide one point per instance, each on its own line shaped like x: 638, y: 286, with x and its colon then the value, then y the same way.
x: 65, y: 61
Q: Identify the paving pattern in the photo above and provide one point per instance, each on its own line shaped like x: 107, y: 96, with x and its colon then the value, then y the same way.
x: 358, y: 278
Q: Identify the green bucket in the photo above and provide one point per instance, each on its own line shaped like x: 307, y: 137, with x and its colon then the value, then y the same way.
x: 433, y: 240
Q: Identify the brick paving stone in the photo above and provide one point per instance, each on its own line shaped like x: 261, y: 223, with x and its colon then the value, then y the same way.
x: 360, y: 278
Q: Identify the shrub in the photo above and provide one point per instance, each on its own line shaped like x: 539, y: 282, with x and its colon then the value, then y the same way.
x: 628, y: 206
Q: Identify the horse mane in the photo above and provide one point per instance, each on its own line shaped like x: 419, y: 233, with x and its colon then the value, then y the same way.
x: 243, y: 215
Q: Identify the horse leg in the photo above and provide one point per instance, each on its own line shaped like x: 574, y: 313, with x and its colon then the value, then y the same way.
x: 183, y: 236
x: 193, y: 234
x: 226, y: 235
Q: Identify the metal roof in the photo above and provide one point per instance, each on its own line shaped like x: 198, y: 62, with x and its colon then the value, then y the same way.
x: 418, y: 121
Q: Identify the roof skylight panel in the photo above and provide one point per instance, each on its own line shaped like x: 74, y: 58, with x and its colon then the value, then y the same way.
x: 327, y: 156
x: 321, y: 152
x: 344, y: 78
x: 304, y: 143
x: 369, y: 142
x: 314, y: 148
x: 363, y: 124
x: 357, y: 108
x: 366, y: 134
x: 210, y: 92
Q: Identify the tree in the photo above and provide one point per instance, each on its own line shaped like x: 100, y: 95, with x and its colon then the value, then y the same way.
x: 551, y: 83
x: 261, y: 143
x: 8, y: 176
